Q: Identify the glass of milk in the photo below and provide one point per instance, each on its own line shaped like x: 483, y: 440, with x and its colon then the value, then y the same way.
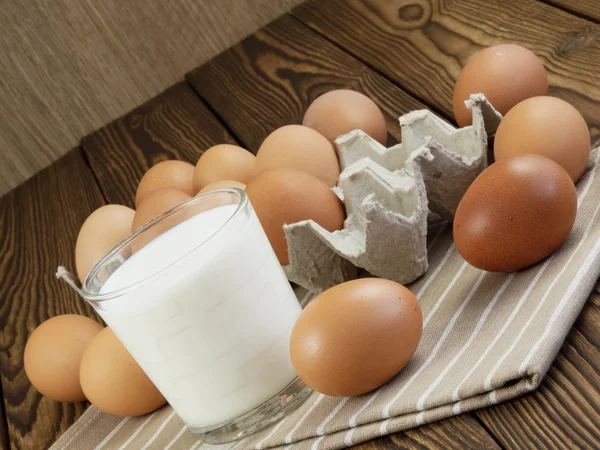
x: 199, y: 299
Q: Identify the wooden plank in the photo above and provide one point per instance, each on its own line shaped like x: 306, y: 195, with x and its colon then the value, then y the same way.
x: 173, y: 125
x: 422, y: 46
x: 4, y: 436
x: 564, y: 412
x: 38, y: 228
x: 69, y: 67
x: 267, y: 81
x: 589, y: 9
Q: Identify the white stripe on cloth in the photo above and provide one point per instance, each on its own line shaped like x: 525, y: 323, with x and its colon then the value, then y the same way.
x: 123, y: 421
x: 488, y: 380
x: 444, y: 295
x: 271, y: 433
x: 447, y: 330
x: 196, y: 445
x: 159, y: 430
x: 436, y: 271
x: 316, y: 444
x: 321, y: 427
x: 572, y: 287
x: 89, y: 420
x: 288, y: 438
x: 177, y: 436
x: 503, y: 329
x: 430, y: 389
x: 132, y: 437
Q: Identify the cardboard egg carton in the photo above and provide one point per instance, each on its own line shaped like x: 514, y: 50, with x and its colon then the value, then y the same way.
x: 388, y: 194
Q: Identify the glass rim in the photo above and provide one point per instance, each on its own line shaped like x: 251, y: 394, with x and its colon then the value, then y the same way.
x: 96, y: 298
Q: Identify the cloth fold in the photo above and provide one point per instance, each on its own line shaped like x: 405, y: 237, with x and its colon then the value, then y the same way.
x: 488, y: 337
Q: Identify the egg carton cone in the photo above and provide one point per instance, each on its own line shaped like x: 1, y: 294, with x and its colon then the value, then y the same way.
x: 388, y: 194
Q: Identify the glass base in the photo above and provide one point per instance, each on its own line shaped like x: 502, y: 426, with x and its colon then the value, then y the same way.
x: 271, y: 411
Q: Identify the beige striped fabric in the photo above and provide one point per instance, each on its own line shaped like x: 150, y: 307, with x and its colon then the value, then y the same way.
x: 487, y: 337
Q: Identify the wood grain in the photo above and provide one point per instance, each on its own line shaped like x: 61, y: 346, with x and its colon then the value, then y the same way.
x: 68, y: 67
x: 269, y: 79
x: 173, y: 125
x: 458, y: 433
x: 38, y: 228
x: 589, y: 9
x: 422, y: 45
x: 564, y: 412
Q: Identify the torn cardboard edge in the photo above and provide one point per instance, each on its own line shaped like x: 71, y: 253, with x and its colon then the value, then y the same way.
x: 388, y: 194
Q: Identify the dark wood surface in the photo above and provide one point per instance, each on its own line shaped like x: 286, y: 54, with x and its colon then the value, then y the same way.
x: 588, y: 9
x: 422, y: 45
x: 173, y: 125
x: 399, y: 54
x: 270, y: 78
x: 39, y: 222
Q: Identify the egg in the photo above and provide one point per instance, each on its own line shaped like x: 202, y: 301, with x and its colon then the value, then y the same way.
x: 167, y: 174
x: 546, y: 126
x: 338, y: 112
x: 113, y: 381
x: 100, y: 233
x: 222, y: 185
x: 153, y: 206
x: 301, y: 148
x: 223, y: 162
x: 507, y: 74
x: 516, y: 213
x: 53, y: 354
x: 356, y: 336
x: 285, y: 196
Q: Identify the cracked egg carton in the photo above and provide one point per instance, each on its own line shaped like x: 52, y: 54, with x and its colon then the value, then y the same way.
x: 388, y: 193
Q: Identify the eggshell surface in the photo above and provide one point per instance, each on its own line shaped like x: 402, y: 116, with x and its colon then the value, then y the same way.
x: 54, y: 352
x: 516, y: 213
x: 167, y: 174
x: 341, y: 111
x: 301, y: 148
x: 100, y: 233
x: 506, y: 73
x: 114, y: 382
x: 153, y: 206
x: 285, y: 196
x: 223, y: 184
x: 356, y: 336
x: 549, y: 127
x: 223, y: 162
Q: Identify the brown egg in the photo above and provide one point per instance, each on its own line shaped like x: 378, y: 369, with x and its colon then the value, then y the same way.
x: 223, y: 162
x: 338, y: 112
x: 167, y: 174
x: 356, y: 336
x: 53, y: 354
x: 516, y: 213
x: 100, y: 233
x: 222, y: 185
x: 153, y: 206
x: 285, y: 196
x: 507, y: 74
x: 549, y: 127
x: 114, y: 382
x: 301, y: 148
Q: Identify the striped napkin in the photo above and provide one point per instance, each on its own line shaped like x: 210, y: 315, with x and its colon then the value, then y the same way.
x: 487, y: 337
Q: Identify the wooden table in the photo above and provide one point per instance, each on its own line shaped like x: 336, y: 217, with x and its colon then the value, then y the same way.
x: 405, y: 55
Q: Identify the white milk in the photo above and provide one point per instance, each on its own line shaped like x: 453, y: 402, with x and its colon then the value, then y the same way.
x: 212, y: 331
